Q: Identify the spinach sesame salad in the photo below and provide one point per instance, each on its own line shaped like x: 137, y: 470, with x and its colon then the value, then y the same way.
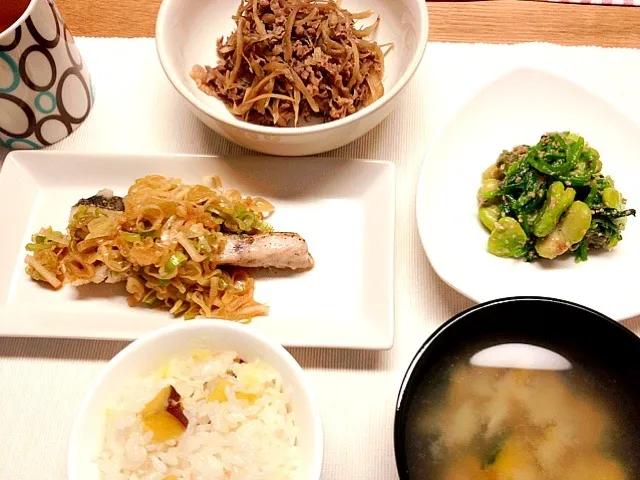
x: 549, y: 199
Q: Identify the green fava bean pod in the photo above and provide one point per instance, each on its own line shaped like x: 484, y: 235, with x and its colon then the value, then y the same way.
x: 557, y: 201
x: 489, y: 216
x: 507, y: 239
x: 571, y: 229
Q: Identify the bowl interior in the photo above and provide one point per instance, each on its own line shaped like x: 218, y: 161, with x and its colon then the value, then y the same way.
x: 578, y: 335
x: 153, y: 351
x: 189, y: 29
x: 516, y: 109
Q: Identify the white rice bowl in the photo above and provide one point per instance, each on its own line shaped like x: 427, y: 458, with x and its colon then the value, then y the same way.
x: 237, y: 439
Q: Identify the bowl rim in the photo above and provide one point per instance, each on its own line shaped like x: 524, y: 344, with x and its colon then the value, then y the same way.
x: 162, y: 23
x: 401, y: 402
x: 217, y: 326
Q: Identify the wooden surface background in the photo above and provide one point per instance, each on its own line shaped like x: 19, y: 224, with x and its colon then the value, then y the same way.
x: 498, y: 21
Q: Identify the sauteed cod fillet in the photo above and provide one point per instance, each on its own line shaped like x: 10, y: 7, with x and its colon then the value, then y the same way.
x: 175, y: 245
x: 265, y: 250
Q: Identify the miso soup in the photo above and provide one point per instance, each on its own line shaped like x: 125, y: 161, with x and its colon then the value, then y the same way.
x: 521, y: 415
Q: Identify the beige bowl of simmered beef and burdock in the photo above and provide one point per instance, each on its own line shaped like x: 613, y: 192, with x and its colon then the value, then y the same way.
x: 291, y: 77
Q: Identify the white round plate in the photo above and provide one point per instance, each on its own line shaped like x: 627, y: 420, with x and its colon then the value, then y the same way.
x: 517, y: 109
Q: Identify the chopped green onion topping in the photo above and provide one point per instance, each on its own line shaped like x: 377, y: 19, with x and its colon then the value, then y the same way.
x: 175, y: 261
x: 131, y: 237
x: 149, y: 298
x: 36, y: 247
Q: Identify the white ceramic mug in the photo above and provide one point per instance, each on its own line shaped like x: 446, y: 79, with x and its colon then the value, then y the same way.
x: 45, y: 87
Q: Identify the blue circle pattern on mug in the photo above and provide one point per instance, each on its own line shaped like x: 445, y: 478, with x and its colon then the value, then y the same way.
x: 46, y: 95
x: 52, y: 99
x: 10, y: 141
x: 13, y: 66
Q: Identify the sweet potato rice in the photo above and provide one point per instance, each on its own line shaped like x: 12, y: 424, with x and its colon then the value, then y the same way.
x: 292, y: 59
x: 209, y: 416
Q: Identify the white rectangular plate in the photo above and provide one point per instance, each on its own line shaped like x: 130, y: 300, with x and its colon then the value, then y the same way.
x: 344, y: 209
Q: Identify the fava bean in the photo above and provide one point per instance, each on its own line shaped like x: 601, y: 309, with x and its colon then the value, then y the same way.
x: 576, y: 222
x: 612, y: 198
x: 592, y: 157
x: 571, y: 229
x: 488, y: 187
x: 557, y: 201
x: 489, y: 216
x: 507, y: 239
x: 493, y: 172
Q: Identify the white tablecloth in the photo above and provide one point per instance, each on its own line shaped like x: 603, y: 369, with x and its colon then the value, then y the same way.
x: 43, y: 381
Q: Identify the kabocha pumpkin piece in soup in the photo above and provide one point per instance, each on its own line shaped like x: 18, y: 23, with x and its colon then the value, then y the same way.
x: 514, y: 461
x: 593, y: 466
x: 467, y: 468
x: 556, y: 193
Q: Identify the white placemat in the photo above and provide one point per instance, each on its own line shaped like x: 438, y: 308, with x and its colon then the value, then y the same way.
x: 43, y: 381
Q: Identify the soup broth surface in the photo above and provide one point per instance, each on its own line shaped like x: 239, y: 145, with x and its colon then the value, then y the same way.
x: 545, y: 419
